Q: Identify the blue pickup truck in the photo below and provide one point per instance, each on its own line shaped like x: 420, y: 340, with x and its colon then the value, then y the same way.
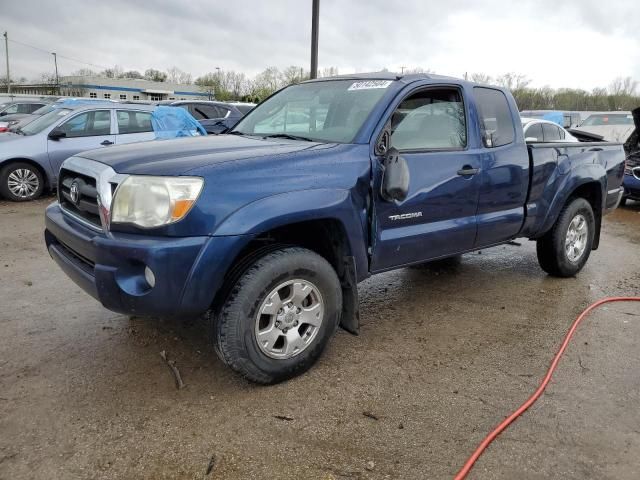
x: 269, y: 228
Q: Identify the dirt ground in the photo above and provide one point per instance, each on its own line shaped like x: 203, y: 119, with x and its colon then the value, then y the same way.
x: 443, y: 355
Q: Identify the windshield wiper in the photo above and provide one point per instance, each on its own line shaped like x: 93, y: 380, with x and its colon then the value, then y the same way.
x: 289, y: 136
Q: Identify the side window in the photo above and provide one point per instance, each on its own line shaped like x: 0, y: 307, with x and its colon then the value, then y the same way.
x: 534, y: 131
x: 551, y: 132
x: 433, y: 119
x: 496, y: 123
x: 35, y: 106
x: 11, y: 110
x: 133, y: 122
x: 205, y: 111
x: 88, y: 124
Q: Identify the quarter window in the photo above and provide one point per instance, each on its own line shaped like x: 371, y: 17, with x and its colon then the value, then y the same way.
x: 534, y: 131
x: 88, y: 124
x: 133, y: 122
x: 496, y: 121
x: 432, y: 119
x: 551, y: 132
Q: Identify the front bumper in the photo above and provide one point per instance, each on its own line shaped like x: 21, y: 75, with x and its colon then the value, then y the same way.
x: 631, y: 187
x: 188, y: 270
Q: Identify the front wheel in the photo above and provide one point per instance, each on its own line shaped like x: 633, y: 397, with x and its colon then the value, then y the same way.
x: 21, y: 182
x: 565, y: 249
x: 279, y: 316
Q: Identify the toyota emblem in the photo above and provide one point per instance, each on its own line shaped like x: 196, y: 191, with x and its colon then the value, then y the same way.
x: 74, y: 192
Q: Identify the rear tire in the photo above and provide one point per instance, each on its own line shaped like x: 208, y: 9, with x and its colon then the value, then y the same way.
x: 565, y: 249
x: 21, y: 182
x: 279, y: 315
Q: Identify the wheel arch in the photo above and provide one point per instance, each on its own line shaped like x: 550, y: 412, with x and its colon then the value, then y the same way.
x: 45, y: 175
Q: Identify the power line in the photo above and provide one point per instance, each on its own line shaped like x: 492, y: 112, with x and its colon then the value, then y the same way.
x: 59, y: 56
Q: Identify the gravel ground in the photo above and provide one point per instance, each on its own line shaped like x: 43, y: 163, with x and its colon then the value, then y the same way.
x: 443, y: 355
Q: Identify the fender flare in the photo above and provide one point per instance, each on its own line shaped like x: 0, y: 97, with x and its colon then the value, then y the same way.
x: 576, y: 178
x: 298, y: 206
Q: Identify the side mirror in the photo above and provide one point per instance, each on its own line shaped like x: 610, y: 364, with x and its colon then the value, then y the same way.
x: 57, y: 133
x: 395, y: 177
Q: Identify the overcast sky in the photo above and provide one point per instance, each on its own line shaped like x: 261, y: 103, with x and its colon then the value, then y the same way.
x: 571, y: 43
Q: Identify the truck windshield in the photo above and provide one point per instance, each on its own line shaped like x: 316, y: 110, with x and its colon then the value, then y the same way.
x: 328, y: 111
x: 44, y: 121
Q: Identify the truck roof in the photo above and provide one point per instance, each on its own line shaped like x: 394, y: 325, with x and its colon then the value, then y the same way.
x: 406, y: 78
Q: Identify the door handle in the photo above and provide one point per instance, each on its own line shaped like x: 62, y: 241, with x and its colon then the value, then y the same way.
x: 106, y: 142
x: 468, y: 170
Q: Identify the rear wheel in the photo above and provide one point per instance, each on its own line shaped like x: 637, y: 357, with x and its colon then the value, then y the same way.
x: 565, y: 249
x: 279, y: 316
x: 21, y: 182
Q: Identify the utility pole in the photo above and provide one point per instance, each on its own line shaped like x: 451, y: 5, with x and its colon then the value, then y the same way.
x: 55, y: 62
x: 315, y: 20
x: 6, y: 49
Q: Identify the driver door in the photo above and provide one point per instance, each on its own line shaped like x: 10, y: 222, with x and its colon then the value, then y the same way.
x: 438, y: 217
x: 85, y: 131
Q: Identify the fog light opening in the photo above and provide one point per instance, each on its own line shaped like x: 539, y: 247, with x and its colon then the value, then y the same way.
x: 150, y: 277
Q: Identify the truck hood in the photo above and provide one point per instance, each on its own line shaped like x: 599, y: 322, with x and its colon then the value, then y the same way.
x: 179, y: 156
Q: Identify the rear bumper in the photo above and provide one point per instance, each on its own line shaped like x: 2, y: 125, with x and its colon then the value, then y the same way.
x: 631, y: 187
x: 188, y: 271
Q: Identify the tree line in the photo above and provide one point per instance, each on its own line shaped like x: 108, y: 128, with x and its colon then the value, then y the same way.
x: 621, y: 94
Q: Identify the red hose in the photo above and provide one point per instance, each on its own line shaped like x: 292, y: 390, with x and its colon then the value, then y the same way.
x: 543, y: 385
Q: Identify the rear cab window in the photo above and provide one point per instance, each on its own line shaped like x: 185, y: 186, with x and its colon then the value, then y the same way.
x: 496, y: 122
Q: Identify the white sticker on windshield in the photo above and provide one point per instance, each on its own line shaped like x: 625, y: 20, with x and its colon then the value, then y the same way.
x: 367, y: 84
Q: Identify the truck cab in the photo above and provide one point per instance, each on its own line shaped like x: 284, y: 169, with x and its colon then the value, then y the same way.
x: 269, y: 228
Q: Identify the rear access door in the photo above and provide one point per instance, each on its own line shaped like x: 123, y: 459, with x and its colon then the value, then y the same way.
x: 429, y: 127
x: 504, y: 180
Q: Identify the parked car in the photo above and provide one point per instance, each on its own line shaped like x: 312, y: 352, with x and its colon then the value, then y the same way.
x: 15, y: 121
x: 563, y: 118
x: 612, y: 126
x: 31, y: 157
x: 215, y: 117
x: 545, y: 131
x: 631, y: 182
x: 20, y: 106
x: 271, y: 232
x: 15, y: 110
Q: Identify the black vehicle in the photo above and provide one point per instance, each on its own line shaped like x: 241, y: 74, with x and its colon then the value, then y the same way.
x: 215, y: 117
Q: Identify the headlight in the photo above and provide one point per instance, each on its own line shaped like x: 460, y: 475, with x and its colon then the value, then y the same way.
x: 154, y: 201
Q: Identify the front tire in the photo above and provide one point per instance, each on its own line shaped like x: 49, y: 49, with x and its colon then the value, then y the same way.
x: 565, y: 249
x: 279, y: 316
x: 21, y: 182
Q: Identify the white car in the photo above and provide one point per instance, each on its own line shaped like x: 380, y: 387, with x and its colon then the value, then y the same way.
x: 536, y: 130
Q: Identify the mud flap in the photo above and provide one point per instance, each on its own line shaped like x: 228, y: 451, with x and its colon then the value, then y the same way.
x: 350, y: 319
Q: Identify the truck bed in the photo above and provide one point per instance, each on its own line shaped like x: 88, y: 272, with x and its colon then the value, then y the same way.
x: 550, y: 182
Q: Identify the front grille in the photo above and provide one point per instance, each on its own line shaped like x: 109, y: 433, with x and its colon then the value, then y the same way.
x: 85, y: 204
